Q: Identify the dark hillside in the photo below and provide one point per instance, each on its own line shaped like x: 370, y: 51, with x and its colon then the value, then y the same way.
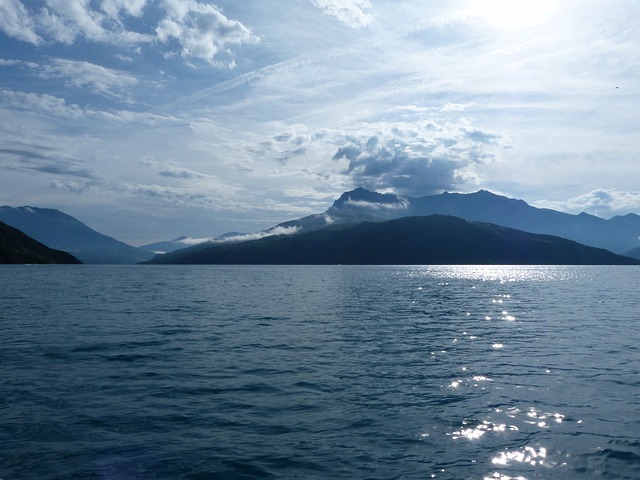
x: 16, y: 247
x: 435, y: 239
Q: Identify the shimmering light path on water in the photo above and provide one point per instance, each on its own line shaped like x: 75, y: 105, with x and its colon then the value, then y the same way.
x: 319, y: 372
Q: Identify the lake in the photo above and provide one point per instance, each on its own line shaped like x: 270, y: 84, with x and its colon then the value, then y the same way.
x: 295, y: 372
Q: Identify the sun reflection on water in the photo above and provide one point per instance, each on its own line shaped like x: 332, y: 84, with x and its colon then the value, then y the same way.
x: 501, y: 273
x: 473, y: 433
x: 500, y: 476
x: 526, y: 455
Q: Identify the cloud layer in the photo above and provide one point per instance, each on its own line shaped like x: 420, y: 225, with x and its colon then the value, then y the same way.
x: 196, y: 117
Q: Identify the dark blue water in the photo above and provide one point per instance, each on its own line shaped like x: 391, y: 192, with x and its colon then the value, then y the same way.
x: 151, y: 372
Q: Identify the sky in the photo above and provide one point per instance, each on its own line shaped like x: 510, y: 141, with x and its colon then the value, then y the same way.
x: 150, y: 119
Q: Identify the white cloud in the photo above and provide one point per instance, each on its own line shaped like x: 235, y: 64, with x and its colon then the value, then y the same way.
x: 273, y: 232
x: 352, y: 13
x: 65, y: 20
x: 16, y: 22
x: 46, y: 104
x: 188, y: 241
x: 601, y: 202
x: 95, y: 78
x: 401, y: 205
x: 133, y: 8
x: 57, y: 107
x: 414, y: 158
x: 202, y: 31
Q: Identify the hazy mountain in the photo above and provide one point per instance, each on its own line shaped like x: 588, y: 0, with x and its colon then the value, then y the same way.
x: 62, y: 232
x: 184, y: 242
x: 16, y: 247
x: 635, y: 253
x: 435, y: 239
x: 618, y: 234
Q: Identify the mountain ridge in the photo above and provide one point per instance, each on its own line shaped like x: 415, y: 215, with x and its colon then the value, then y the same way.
x: 61, y: 231
x: 16, y: 248
x: 435, y: 239
x: 618, y: 234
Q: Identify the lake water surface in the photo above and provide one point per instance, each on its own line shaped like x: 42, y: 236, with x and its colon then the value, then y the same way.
x: 294, y: 372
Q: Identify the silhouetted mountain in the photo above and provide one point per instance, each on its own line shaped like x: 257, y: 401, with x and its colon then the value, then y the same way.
x: 435, y: 239
x: 62, y: 232
x: 619, y: 234
x: 16, y: 247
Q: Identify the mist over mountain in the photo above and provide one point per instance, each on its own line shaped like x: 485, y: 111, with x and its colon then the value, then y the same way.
x: 435, y: 239
x: 185, y: 242
x: 17, y: 248
x: 618, y: 234
x: 60, y: 231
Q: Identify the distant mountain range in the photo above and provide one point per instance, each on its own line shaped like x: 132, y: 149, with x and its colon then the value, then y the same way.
x: 60, y: 231
x: 619, y: 234
x: 16, y: 248
x: 434, y: 239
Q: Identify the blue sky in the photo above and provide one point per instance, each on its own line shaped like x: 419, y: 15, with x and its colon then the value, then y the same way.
x: 152, y: 119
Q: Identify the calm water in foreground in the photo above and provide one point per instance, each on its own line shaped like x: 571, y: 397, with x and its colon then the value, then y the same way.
x: 212, y: 372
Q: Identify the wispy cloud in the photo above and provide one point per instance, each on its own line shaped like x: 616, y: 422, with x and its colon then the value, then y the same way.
x: 401, y: 205
x: 33, y: 160
x: 98, y: 79
x: 44, y: 103
x: 273, y: 232
x: 172, y: 171
x: 16, y: 22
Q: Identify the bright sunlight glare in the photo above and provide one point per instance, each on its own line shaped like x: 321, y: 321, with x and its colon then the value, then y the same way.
x: 512, y: 14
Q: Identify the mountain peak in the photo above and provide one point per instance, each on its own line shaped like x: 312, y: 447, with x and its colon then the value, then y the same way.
x: 363, y: 195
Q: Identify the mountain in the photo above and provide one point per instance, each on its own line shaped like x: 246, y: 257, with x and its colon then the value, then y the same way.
x: 435, y: 239
x: 618, y: 234
x: 184, y: 242
x: 16, y: 247
x: 635, y: 253
x: 62, y: 232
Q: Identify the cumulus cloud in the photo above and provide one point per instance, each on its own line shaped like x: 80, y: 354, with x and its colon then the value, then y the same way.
x: 202, y: 31
x: 601, y: 202
x: 113, y: 8
x: 352, y: 13
x: 414, y: 158
x: 189, y: 28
